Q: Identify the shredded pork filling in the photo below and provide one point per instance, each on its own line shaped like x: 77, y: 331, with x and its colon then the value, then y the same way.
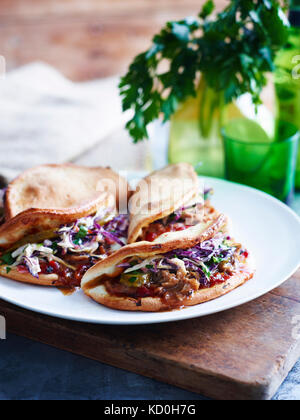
x: 180, y: 220
x: 176, y: 276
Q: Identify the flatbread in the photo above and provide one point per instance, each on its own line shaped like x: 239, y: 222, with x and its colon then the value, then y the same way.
x: 42, y: 280
x: 93, y: 286
x: 45, y: 198
x: 62, y: 187
x: 39, y: 222
x: 160, y: 194
x: 37, y: 225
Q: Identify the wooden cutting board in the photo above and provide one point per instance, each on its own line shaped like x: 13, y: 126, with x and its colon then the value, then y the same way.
x: 244, y: 353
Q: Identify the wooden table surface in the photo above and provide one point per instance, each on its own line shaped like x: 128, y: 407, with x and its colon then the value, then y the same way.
x: 84, y: 39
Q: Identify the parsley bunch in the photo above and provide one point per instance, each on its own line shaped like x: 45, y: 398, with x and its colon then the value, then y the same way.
x: 233, y: 52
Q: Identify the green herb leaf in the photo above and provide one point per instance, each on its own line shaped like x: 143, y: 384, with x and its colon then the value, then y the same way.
x: 181, y: 31
x: 207, y: 195
x: 207, y: 9
x: 83, y: 231
x: 8, y: 270
x: 54, y: 246
x: 268, y: 4
x: 8, y: 259
x: 217, y: 260
x: 133, y: 263
x: 206, y: 270
x: 233, y: 52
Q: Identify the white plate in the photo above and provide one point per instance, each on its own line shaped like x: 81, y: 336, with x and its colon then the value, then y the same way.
x: 268, y: 228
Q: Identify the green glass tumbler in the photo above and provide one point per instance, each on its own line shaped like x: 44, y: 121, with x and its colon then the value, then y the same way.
x: 261, y: 162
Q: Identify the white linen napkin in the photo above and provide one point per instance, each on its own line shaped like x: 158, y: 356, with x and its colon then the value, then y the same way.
x: 46, y: 118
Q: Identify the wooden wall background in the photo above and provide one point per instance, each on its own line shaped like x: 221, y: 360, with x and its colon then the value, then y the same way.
x: 85, y: 39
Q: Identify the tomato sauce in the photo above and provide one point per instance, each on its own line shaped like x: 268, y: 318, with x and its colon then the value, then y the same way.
x: 66, y: 277
x: 217, y: 278
x: 157, y: 229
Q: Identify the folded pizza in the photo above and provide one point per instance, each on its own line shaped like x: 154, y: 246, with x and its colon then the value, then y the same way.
x: 178, y: 269
x: 168, y: 200
x: 56, y: 246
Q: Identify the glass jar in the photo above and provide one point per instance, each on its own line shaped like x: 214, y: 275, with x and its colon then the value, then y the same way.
x: 195, y: 131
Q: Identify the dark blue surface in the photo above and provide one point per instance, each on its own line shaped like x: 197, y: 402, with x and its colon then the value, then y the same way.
x: 34, y: 371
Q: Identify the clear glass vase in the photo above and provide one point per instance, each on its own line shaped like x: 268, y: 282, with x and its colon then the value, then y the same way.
x: 195, y: 131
